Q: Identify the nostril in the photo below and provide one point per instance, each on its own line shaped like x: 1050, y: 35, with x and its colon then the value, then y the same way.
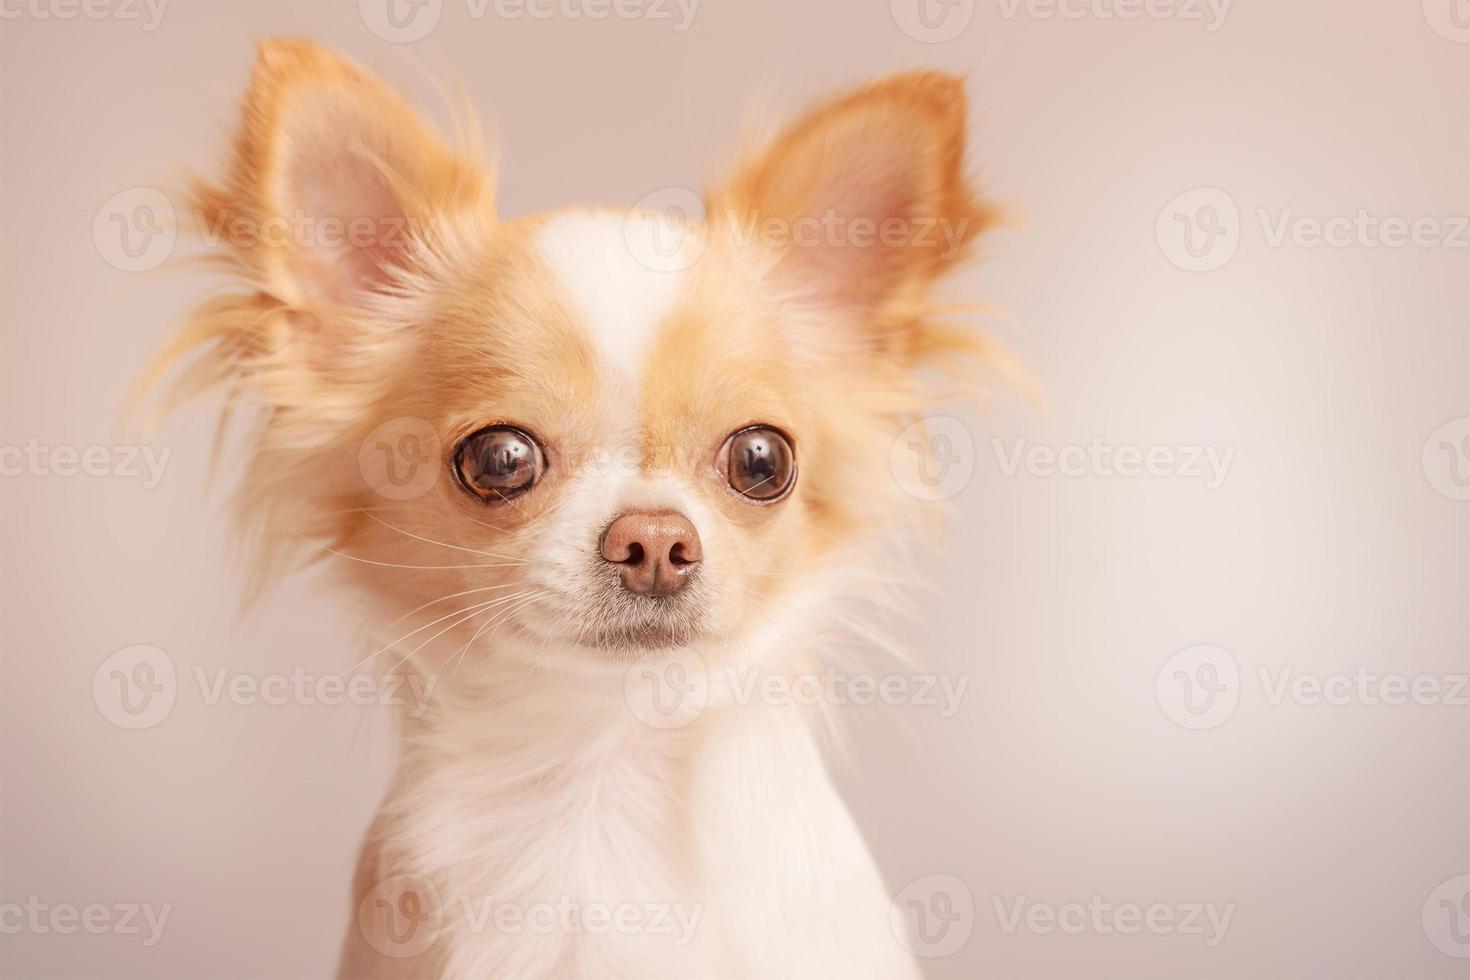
x: 655, y: 552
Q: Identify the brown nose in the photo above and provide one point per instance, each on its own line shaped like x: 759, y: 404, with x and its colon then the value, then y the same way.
x: 656, y: 553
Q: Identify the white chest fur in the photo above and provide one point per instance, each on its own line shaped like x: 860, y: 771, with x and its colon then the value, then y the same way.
x: 561, y: 836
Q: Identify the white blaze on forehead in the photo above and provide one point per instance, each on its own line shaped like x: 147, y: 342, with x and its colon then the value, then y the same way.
x: 621, y: 299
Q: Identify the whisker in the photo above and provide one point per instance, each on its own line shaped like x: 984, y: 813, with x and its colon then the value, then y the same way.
x: 410, y: 654
x: 746, y: 491
x: 479, y: 605
x: 442, y: 544
x: 483, y: 626
x: 389, y: 564
x: 452, y: 595
x: 493, y: 623
x: 475, y: 636
x: 490, y: 526
x: 339, y: 511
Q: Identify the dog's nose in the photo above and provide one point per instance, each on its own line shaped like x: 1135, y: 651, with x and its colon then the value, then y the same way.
x: 656, y: 553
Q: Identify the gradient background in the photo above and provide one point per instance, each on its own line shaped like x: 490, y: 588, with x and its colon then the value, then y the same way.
x: 1337, y: 542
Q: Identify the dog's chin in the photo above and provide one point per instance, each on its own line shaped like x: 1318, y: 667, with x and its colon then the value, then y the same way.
x: 635, y: 642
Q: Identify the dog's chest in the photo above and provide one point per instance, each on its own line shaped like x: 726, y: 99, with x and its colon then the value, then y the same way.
x: 722, y: 853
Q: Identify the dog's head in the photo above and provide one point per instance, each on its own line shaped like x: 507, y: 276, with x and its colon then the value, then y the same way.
x: 620, y: 431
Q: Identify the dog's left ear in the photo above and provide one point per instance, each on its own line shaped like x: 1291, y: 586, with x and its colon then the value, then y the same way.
x: 333, y: 184
x: 865, y: 197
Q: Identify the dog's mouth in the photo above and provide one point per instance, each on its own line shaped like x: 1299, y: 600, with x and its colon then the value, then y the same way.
x: 614, y: 624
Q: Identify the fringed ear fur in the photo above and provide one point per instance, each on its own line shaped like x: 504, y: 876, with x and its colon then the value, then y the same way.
x: 329, y: 205
x: 866, y: 202
x: 336, y: 207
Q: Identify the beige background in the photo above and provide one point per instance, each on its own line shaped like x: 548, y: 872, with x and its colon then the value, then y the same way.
x: 1331, y: 546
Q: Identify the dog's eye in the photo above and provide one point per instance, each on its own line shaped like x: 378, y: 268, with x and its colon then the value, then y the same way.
x: 499, y: 462
x: 759, y: 463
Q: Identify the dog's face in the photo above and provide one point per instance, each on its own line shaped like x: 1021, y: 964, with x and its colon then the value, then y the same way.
x: 633, y: 434
x: 603, y: 430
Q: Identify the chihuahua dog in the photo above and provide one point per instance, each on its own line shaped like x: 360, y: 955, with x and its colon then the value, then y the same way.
x: 625, y: 473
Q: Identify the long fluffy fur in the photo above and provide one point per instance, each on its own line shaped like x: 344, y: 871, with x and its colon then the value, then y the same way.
x: 528, y: 778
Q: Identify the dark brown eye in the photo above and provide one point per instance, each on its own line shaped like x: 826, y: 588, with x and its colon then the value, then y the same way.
x: 499, y: 462
x: 759, y: 463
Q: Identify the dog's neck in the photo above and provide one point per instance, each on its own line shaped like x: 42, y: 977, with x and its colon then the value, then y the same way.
x: 533, y: 782
x: 533, y: 725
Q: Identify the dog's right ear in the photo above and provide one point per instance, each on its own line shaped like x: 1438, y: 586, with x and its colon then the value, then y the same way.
x: 333, y: 190
x: 872, y: 192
